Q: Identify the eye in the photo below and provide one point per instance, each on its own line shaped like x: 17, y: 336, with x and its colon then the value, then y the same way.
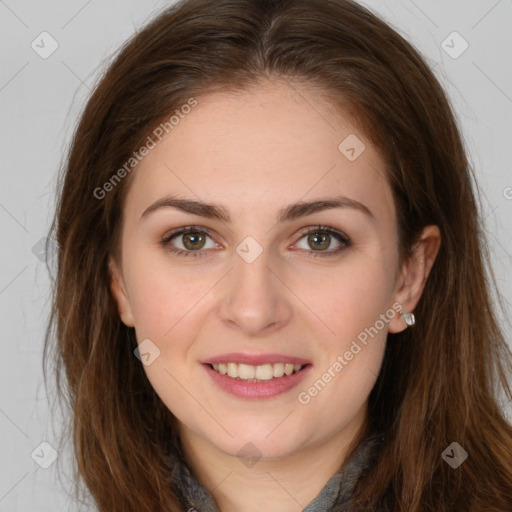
x: 320, y: 239
x: 189, y: 241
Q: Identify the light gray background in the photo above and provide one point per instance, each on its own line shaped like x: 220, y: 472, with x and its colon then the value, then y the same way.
x: 39, y: 103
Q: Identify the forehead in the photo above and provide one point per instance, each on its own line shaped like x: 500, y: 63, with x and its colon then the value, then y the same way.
x: 262, y: 148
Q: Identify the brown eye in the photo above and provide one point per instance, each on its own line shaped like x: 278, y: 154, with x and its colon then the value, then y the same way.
x: 319, y: 240
x: 189, y: 242
x: 193, y: 240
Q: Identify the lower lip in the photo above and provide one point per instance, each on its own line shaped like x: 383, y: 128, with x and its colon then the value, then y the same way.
x: 265, y: 389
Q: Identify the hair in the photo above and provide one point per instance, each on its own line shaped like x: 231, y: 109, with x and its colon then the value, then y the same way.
x: 439, y: 381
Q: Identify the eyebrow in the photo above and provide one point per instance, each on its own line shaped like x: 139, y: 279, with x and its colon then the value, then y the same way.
x: 289, y: 213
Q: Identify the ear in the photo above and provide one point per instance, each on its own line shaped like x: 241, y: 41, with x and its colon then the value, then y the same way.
x: 118, y: 290
x: 414, y: 273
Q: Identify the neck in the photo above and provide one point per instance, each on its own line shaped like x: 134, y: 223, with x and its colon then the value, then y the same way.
x: 272, y: 484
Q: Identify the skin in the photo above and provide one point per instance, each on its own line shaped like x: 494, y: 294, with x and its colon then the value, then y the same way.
x: 255, y: 152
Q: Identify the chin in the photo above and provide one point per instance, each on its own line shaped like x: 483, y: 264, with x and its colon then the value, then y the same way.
x: 259, y: 443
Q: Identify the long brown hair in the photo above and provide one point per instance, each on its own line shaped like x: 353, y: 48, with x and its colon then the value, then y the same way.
x: 439, y: 381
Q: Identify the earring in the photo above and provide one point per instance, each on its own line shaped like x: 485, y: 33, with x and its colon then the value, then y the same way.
x: 409, y: 318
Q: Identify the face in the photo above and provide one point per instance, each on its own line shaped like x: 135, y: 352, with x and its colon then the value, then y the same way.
x: 255, y: 280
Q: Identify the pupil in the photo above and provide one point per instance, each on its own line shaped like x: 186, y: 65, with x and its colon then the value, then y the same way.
x: 317, y: 239
x: 194, y: 239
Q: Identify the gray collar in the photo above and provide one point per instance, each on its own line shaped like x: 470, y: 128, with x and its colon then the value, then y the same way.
x: 335, y: 496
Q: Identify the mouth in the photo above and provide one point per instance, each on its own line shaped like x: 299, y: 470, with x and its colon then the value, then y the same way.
x: 257, y: 373
x: 257, y: 381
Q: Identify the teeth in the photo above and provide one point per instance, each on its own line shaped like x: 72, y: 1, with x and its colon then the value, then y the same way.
x: 246, y: 371
x: 256, y: 373
x: 263, y: 372
x: 232, y: 370
x: 279, y: 370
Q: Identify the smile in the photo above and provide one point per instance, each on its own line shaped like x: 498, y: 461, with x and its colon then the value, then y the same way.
x: 252, y: 373
x: 261, y: 381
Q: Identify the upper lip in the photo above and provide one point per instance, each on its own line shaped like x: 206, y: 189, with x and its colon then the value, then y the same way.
x: 254, y: 359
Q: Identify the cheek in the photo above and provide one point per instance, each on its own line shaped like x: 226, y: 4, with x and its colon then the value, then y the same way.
x: 161, y: 297
x: 340, y: 390
x: 355, y: 306
x: 350, y: 298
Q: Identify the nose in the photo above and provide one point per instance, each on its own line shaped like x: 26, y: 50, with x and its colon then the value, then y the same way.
x: 256, y: 300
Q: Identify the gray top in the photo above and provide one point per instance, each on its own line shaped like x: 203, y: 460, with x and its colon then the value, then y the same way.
x: 336, y: 495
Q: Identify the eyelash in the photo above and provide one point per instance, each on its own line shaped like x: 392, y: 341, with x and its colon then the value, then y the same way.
x: 342, y: 238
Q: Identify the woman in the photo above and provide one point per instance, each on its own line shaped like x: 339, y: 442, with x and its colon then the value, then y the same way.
x: 272, y: 290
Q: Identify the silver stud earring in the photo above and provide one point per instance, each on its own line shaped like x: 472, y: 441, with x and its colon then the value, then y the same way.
x: 409, y: 318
